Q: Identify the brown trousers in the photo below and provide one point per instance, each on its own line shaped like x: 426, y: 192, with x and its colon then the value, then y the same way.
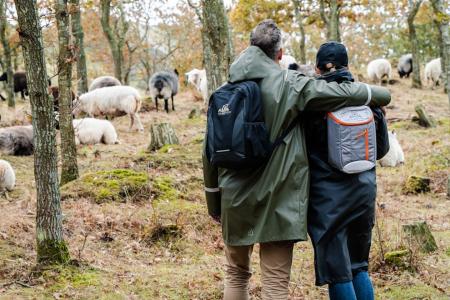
x: 275, y: 261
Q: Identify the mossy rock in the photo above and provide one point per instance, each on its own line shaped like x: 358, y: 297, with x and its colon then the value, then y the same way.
x: 114, y: 185
x: 420, y: 234
x: 397, y: 258
x: 416, y: 185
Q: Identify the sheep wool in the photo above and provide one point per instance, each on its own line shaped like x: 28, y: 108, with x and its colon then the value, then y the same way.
x: 94, y: 131
x: 111, y: 101
x: 103, y: 81
x: 198, y: 79
x: 163, y: 85
x: 7, y: 176
x: 287, y: 60
x: 395, y: 155
x: 16, y: 140
x: 433, y: 71
x: 405, y: 66
x: 378, y: 69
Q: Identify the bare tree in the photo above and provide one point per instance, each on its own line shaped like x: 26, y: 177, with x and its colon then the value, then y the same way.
x: 6, y: 54
x: 69, y: 169
x: 441, y: 20
x: 330, y: 11
x: 115, y: 35
x: 299, y: 17
x: 77, y: 32
x: 414, y: 6
x: 51, y: 247
x: 216, y: 43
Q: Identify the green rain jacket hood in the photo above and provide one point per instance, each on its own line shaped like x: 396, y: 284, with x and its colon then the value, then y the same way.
x: 270, y: 203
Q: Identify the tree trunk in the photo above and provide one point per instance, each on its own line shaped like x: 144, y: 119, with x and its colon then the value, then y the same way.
x: 6, y: 55
x: 335, y: 12
x: 299, y: 17
x: 115, y: 37
x: 424, y: 119
x: 160, y: 135
x: 217, y: 43
x: 331, y: 19
x: 77, y: 32
x: 51, y: 247
x: 69, y: 169
x: 442, y: 21
x: 414, y: 6
x: 420, y: 234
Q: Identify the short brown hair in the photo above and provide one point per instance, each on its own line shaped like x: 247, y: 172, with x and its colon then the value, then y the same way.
x: 267, y: 36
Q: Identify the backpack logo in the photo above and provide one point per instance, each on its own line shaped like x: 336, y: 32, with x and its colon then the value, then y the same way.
x: 224, y: 110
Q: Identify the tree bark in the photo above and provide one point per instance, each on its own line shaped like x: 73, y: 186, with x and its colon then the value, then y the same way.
x: 51, y: 247
x: 77, y: 32
x: 331, y: 18
x: 6, y: 55
x: 441, y: 20
x: 299, y: 17
x: 414, y: 6
x: 160, y: 135
x: 115, y: 37
x: 69, y: 168
x: 216, y: 42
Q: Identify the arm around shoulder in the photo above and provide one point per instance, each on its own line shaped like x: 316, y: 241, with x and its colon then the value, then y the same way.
x: 380, y: 96
x: 318, y: 95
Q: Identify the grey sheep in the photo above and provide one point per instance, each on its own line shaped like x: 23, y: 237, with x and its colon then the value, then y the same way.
x: 16, y: 140
x: 405, y: 65
x: 103, y: 81
x: 164, y: 85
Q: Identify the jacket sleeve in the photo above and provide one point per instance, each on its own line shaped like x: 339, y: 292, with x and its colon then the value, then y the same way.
x: 318, y: 95
x: 211, y: 180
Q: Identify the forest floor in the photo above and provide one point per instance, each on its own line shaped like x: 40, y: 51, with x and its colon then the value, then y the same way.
x: 137, y: 227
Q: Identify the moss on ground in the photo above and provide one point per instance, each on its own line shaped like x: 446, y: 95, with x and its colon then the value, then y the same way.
x: 61, y: 278
x: 114, y: 185
x: 396, y: 258
x: 164, y: 189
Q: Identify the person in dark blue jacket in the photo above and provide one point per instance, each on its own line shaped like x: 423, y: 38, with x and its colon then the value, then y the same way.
x: 341, y: 206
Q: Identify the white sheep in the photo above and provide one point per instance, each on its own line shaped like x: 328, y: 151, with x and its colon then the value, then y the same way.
x: 286, y: 60
x: 395, y: 155
x: 7, y: 177
x: 433, y: 72
x: 103, y: 81
x: 198, y: 79
x: 111, y: 101
x: 379, y: 68
x: 16, y: 140
x: 94, y: 131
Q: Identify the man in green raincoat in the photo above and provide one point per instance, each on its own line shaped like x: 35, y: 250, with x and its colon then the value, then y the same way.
x: 269, y: 205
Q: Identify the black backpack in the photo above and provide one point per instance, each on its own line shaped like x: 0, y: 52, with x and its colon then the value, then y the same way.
x: 237, y: 137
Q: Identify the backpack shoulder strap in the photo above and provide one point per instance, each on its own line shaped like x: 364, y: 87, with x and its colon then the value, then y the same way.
x: 291, y: 126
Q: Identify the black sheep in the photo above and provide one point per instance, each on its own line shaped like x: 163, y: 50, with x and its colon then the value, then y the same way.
x: 20, y: 83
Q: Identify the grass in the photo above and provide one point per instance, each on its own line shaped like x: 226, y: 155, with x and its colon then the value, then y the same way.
x: 162, y: 245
